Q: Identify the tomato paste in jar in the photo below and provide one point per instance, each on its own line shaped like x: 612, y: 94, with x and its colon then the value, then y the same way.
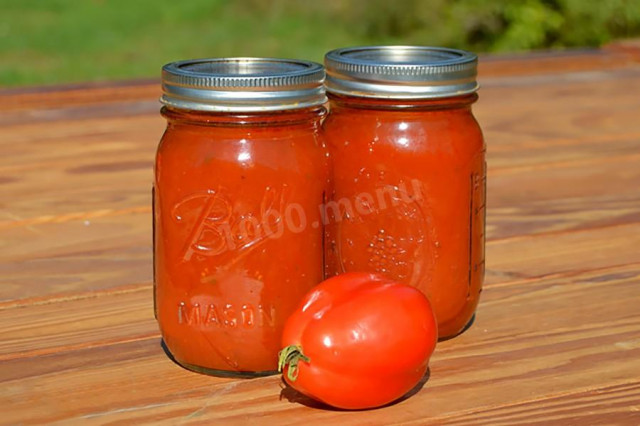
x: 408, y: 161
x: 238, y: 236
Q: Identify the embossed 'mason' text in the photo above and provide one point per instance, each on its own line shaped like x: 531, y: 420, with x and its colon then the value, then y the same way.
x: 227, y: 315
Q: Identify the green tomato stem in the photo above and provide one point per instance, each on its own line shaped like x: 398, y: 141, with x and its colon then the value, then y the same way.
x: 291, y: 355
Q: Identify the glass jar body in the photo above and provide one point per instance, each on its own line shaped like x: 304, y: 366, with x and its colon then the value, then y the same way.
x: 408, y: 198
x: 235, y: 246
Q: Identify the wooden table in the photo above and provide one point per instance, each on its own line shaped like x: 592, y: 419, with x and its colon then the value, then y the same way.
x: 557, y: 335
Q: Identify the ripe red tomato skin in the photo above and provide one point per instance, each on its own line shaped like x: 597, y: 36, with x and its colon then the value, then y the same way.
x: 368, y: 340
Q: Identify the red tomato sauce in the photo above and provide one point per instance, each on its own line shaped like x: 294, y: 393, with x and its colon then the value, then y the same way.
x: 410, y: 175
x: 238, y: 233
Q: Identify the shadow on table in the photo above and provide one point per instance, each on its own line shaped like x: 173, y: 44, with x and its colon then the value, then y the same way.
x: 215, y: 373
x: 296, y: 397
x: 289, y: 393
x: 466, y: 327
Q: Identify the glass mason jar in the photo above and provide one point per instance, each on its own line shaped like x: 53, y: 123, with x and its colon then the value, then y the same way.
x: 409, y: 172
x: 238, y: 238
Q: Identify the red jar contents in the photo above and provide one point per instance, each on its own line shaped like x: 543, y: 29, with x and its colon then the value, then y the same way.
x: 408, y: 173
x: 240, y: 173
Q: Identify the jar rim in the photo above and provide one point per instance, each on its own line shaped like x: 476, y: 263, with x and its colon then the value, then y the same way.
x: 401, y: 72
x: 242, y: 84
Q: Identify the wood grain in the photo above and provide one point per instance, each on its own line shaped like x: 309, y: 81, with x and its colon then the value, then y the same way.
x: 547, y: 354
x: 614, y: 56
x: 89, y: 253
x: 94, y: 188
x: 617, y: 404
x: 48, y: 325
x: 556, y: 338
x: 54, y: 327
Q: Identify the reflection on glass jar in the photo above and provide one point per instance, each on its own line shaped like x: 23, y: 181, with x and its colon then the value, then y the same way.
x: 240, y: 173
x: 401, y: 130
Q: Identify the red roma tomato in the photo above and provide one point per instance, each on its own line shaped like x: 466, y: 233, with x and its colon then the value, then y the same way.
x: 358, y: 340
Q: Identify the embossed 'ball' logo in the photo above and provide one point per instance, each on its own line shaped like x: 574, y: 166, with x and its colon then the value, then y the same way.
x: 217, y: 226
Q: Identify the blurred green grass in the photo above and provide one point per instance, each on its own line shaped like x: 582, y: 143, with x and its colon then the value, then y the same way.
x: 63, y: 41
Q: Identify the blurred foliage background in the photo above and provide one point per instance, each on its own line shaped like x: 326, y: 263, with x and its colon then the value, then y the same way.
x: 62, y: 41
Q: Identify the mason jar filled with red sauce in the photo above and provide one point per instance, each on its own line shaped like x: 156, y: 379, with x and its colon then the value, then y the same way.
x: 240, y: 174
x: 408, y: 160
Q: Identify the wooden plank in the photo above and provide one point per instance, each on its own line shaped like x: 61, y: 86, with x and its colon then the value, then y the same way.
x: 50, y: 97
x: 541, y: 354
x: 529, y: 201
x: 116, y: 142
x: 630, y: 47
x: 130, y: 345
x: 617, y: 55
x: 63, y: 144
x: 78, y: 323
x: 80, y: 112
x: 77, y: 167
x: 519, y: 186
x: 89, y: 190
x: 88, y: 141
x: 508, y: 261
x: 48, y: 195
x: 548, y: 153
x: 562, y: 214
x: 611, y: 57
x: 617, y: 404
x: 521, y: 258
x: 88, y: 153
x: 100, y: 249
x: 90, y: 253
x: 519, y: 110
x: 93, y: 247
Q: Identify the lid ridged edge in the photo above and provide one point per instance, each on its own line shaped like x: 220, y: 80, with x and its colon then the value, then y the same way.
x: 298, y: 84
x: 381, y: 72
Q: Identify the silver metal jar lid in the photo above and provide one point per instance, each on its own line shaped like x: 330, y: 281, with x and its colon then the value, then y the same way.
x: 401, y: 72
x: 242, y: 84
